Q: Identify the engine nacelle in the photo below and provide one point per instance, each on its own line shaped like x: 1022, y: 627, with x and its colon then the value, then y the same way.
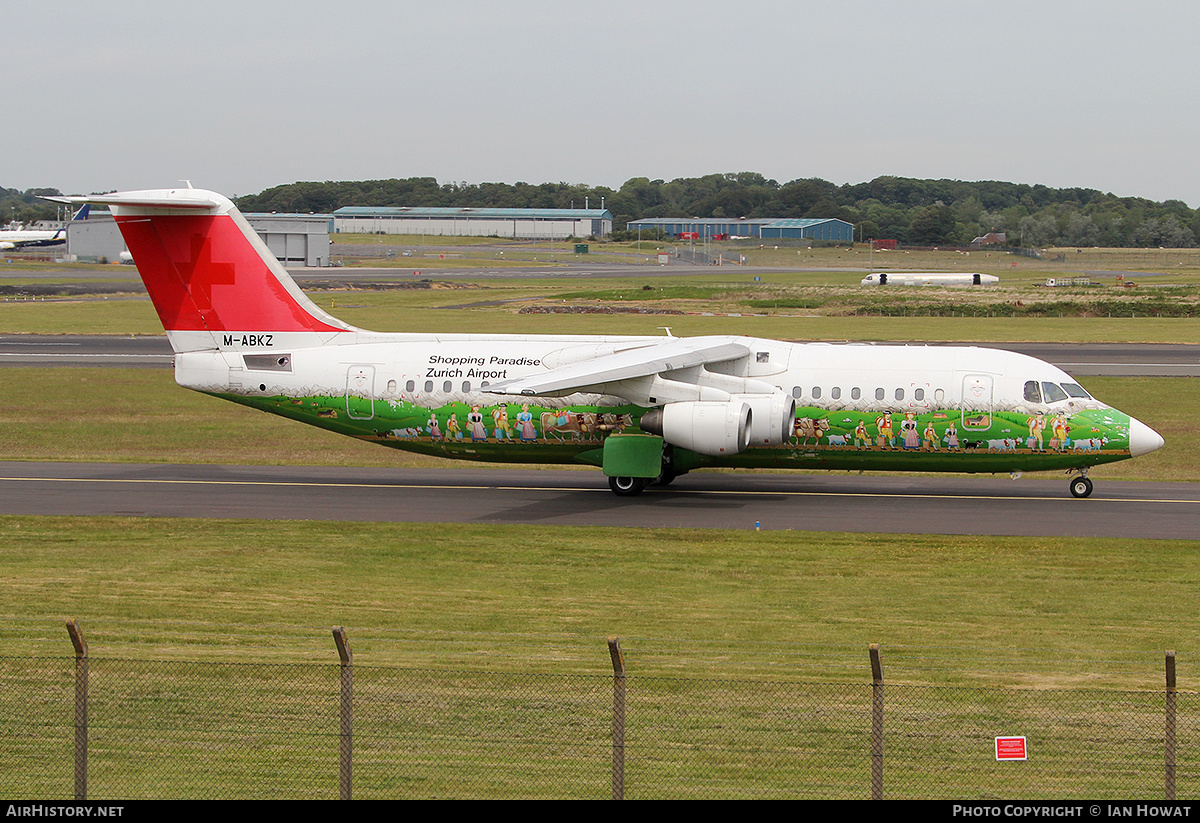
x: 711, y: 428
x: 771, y: 417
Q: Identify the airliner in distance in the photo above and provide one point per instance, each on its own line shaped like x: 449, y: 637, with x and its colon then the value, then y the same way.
x: 34, y: 238
x: 925, y: 278
x: 644, y: 409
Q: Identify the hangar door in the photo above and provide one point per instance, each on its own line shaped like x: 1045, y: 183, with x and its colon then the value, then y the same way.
x: 290, y: 248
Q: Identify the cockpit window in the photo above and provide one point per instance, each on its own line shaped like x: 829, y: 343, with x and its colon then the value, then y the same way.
x: 1032, y: 393
x: 1053, y: 392
x: 1075, y: 390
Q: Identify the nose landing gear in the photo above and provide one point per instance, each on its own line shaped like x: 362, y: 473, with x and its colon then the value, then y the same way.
x: 1081, y: 486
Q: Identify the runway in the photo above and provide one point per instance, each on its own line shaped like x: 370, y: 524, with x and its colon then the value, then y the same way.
x: 1080, y: 360
x: 1032, y: 506
x: 44, y: 350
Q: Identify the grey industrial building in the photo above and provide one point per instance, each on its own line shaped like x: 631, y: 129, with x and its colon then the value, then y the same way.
x: 298, y: 240
x: 469, y: 222
x: 831, y: 229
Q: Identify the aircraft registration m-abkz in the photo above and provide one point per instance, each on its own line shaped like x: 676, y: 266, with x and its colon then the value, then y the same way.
x: 644, y: 409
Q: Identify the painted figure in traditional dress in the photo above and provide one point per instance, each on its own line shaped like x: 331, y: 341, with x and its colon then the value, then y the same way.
x: 929, y: 439
x: 887, y: 438
x: 525, y: 418
x: 502, y: 430
x: 861, y: 438
x: 1058, y: 425
x: 908, y: 428
x: 951, y: 438
x: 475, y: 421
x: 1037, y: 425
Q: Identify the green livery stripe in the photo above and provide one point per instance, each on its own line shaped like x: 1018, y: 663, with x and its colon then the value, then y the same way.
x: 933, y: 440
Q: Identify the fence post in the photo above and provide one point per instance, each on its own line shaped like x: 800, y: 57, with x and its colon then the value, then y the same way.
x: 81, y: 708
x: 346, y: 732
x: 1170, y: 730
x: 876, y: 723
x: 618, y: 725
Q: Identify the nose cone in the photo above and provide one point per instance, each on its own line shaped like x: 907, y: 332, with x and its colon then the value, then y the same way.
x: 1142, y: 438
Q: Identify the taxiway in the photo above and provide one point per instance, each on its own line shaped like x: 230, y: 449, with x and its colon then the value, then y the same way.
x: 1030, y: 506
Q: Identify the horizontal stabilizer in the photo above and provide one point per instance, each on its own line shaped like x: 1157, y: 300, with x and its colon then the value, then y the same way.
x: 188, y: 199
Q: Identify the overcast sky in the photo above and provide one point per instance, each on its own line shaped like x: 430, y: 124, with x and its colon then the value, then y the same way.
x: 241, y: 96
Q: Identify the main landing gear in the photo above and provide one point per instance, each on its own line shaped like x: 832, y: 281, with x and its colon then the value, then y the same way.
x: 630, y: 486
x: 627, y: 486
x: 642, y: 455
x: 1081, y: 486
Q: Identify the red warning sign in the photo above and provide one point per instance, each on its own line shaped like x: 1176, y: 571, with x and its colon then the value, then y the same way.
x: 1011, y: 748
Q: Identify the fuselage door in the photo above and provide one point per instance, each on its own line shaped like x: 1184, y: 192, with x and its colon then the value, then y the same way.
x: 977, y: 401
x: 360, y: 392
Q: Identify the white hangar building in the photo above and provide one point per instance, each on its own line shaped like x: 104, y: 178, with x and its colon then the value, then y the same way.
x: 483, y: 222
x: 298, y: 240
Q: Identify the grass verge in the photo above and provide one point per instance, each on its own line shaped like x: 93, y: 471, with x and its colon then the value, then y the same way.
x: 1046, y: 612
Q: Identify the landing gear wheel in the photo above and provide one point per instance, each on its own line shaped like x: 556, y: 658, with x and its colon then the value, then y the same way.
x: 627, y: 486
x: 666, y: 478
x: 1081, y: 487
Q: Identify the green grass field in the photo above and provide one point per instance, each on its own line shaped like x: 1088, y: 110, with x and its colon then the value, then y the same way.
x: 477, y: 310
x: 1016, y: 611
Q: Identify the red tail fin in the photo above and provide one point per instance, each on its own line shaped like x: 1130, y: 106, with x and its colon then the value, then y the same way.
x: 206, y: 269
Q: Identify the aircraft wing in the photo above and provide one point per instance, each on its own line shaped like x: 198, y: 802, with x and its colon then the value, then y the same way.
x: 645, y: 361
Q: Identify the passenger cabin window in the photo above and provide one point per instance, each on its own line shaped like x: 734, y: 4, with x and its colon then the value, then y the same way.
x: 880, y: 394
x: 466, y: 386
x: 410, y: 386
x: 1053, y: 392
x: 392, y: 386
x: 1032, y: 392
x: 855, y: 393
x: 899, y: 394
x: 836, y: 393
x: 447, y: 386
x: 816, y: 393
x: 919, y: 394
x: 797, y: 392
x: 428, y: 385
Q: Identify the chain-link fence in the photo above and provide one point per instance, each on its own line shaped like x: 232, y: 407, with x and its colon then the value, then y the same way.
x: 89, y: 727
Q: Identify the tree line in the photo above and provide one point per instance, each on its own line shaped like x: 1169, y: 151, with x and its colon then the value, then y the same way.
x: 25, y: 207
x: 911, y: 211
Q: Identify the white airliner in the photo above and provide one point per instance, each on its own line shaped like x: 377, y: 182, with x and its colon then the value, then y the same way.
x: 927, y: 278
x: 644, y: 409
x: 34, y: 238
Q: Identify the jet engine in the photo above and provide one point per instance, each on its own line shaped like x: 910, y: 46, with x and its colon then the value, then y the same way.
x: 705, y: 427
x: 771, y: 417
